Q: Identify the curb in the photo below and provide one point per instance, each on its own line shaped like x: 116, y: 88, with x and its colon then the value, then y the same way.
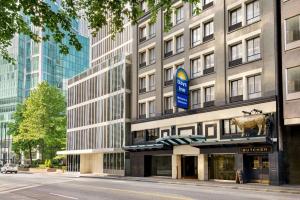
x: 237, y: 187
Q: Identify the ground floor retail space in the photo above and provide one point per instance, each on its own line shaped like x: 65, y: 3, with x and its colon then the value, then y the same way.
x: 257, y: 164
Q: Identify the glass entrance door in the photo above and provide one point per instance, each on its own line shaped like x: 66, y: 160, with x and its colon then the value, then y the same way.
x: 189, y: 166
x: 257, y: 168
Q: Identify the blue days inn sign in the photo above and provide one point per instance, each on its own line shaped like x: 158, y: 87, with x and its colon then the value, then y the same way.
x: 181, y: 89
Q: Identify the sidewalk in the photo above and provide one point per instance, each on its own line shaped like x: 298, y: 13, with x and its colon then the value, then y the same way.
x: 249, y: 186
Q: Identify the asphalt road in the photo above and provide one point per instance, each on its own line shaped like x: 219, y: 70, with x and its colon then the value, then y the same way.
x: 44, y: 187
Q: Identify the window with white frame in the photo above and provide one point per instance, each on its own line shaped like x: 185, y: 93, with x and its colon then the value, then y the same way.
x: 169, y: 74
x: 196, y: 34
x: 151, y: 108
x: 143, y: 33
x: 236, y: 51
x: 142, y: 110
x: 208, y: 28
x: 209, y: 60
x: 196, y: 70
x: 253, y: 12
x: 151, y: 82
x: 253, y: 49
x: 143, y: 57
x: 143, y: 84
x: 151, y: 30
x: 209, y: 94
x: 235, y: 16
x: 195, y: 98
x: 179, y: 14
x: 179, y: 44
x: 152, y: 55
x: 168, y: 46
x: 254, y: 86
x: 236, y: 88
x: 293, y: 80
x: 205, y: 2
x: 230, y: 128
x: 168, y: 103
x: 292, y: 31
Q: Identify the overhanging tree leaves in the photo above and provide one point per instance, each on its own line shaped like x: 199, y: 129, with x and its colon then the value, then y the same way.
x: 41, y: 122
x: 97, y: 12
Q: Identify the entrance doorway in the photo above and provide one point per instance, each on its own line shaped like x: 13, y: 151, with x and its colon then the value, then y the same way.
x: 189, y: 166
x: 257, y: 168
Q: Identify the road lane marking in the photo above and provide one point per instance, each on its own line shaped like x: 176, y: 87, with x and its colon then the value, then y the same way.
x: 20, y: 188
x: 60, y: 195
x: 165, y: 196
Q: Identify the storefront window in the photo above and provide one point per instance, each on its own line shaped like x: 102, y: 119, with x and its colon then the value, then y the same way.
x: 222, y: 167
x: 161, y: 166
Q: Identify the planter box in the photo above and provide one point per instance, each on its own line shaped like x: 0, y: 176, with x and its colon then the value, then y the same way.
x: 23, y: 169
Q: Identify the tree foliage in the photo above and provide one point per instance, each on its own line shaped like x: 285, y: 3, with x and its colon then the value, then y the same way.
x: 40, y: 122
x: 97, y: 12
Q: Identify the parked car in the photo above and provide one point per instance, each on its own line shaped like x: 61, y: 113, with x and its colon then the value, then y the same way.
x: 12, y: 168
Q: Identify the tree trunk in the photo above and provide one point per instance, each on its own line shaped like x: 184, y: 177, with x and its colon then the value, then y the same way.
x: 30, y: 154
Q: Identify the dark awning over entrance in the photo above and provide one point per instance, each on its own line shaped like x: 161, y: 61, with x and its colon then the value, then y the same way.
x: 240, y: 141
x: 180, y: 140
x: 144, y: 147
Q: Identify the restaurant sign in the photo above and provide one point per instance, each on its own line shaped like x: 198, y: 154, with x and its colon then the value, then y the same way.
x: 262, y: 149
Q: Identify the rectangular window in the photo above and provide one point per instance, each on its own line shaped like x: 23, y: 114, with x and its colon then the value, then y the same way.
x: 179, y: 14
x: 253, y: 12
x: 253, y: 49
x: 151, y: 30
x: 144, y: 6
x: 209, y: 61
x: 207, y: 4
x: 235, y: 16
x: 196, y: 70
x: 152, y: 134
x: 151, y: 82
x: 168, y: 104
x: 152, y: 55
x: 195, y: 98
x: 142, y: 110
x: 195, y: 33
x: 292, y: 29
x: 179, y: 44
x: 168, y: 76
x: 143, y: 33
x: 293, y: 79
x: 229, y: 128
x: 142, y: 59
x: 236, y: 52
x: 142, y: 84
x: 236, y: 88
x: 254, y: 86
x: 209, y: 94
x: 151, y: 109
x: 168, y: 48
x: 208, y: 29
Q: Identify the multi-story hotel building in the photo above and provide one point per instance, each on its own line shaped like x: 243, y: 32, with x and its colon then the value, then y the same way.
x: 99, y: 107
x: 229, y: 52
x: 290, y: 25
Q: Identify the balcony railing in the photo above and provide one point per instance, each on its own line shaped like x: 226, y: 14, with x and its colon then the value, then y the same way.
x: 235, y: 26
x: 169, y: 82
x: 142, y: 90
x: 208, y: 37
x: 236, y: 98
x: 208, y: 70
x: 235, y: 62
x: 167, y: 54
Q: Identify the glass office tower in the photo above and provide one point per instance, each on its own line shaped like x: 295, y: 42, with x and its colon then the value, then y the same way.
x: 35, y: 62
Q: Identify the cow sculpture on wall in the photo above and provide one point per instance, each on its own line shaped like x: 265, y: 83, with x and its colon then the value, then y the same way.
x: 251, y: 121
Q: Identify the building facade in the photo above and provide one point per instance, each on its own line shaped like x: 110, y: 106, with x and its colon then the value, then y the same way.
x: 229, y: 52
x: 290, y: 24
x: 99, y: 107
x: 36, y: 62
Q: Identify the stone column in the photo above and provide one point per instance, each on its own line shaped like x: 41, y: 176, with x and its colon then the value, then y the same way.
x: 176, y: 166
x: 202, y: 167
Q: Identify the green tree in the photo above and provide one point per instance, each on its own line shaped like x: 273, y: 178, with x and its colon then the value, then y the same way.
x: 40, y: 123
x: 97, y: 12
